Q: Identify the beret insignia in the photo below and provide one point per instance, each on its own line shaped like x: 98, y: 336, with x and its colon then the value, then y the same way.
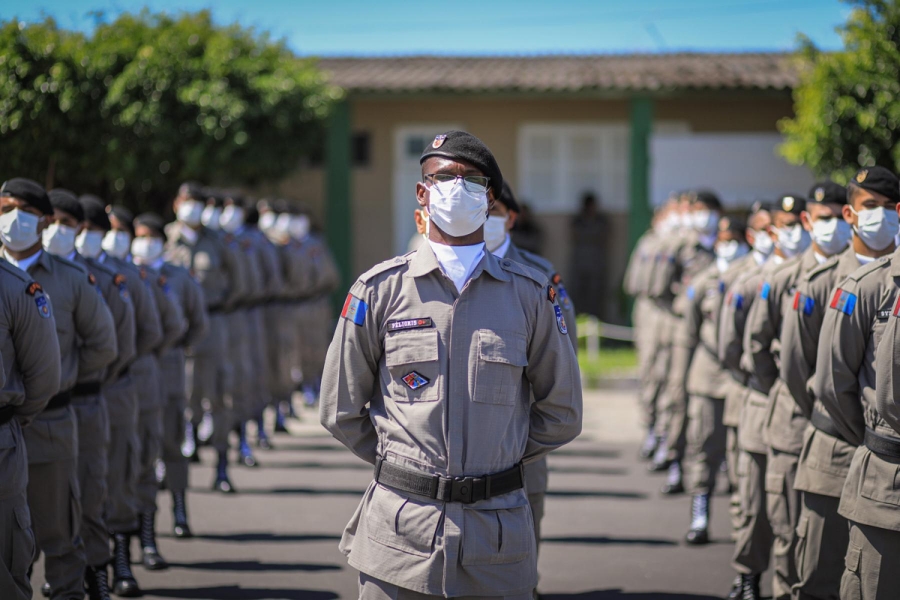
x: 438, y: 141
x: 820, y: 194
x: 787, y: 203
x: 34, y: 288
x: 861, y: 176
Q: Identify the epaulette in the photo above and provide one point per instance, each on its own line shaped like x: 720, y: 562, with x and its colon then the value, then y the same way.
x: 539, y: 262
x: 387, y: 265
x: 102, y: 267
x: 863, y: 271
x: 82, y: 270
x: 512, y: 266
x: 823, y: 268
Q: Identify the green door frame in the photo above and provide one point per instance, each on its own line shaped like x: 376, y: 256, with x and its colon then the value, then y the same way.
x: 640, y: 213
x: 338, y: 205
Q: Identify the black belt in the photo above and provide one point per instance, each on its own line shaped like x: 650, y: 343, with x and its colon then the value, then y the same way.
x: 215, y: 308
x: 91, y: 388
x: 823, y: 423
x: 882, y: 444
x: 6, y: 414
x: 60, y: 400
x: 449, y: 489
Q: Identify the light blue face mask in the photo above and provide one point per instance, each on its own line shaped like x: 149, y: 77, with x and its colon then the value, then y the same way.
x: 793, y: 240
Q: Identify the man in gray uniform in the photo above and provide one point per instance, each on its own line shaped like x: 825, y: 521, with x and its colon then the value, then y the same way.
x: 87, y: 343
x: 87, y: 398
x: 462, y: 325
x: 30, y: 376
x: 147, y: 250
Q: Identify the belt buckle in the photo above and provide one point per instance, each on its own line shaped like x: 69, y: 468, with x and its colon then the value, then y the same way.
x: 462, y: 489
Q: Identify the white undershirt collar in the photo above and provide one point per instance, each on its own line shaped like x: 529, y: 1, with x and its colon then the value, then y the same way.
x: 504, y: 248
x: 457, y: 262
x: 25, y: 263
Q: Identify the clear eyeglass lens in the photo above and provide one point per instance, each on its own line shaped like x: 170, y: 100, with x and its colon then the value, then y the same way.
x: 473, y: 183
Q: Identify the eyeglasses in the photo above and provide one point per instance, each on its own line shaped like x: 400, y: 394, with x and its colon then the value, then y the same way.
x: 473, y: 183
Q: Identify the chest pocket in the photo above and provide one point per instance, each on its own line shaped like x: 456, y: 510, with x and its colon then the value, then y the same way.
x: 501, y: 359
x: 412, y: 359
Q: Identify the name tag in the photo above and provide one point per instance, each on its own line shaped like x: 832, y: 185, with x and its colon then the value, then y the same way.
x: 883, y: 315
x: 409, y: 324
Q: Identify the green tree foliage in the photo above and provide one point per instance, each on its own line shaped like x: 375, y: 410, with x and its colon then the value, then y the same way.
x: 847, y: 105
x: 149, y: 100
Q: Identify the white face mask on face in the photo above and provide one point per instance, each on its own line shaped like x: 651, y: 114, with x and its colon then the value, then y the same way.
x: 58, y: 239
x: 762, y: 243
x: 705, y: 221
x: 831, y: 235
x: 146, y: 250
x: 190, y: 212
x: 232, y: 218
x: 18, y: 229
x: 89, y: 243
x: 728, y: 252
x: 117, y: 243
x: 267, y: 220
x: 494, y: 232
x: 210, y: 217
x: 877, y: 227
x: 793, y: 240
x: 299, y: 227
x: 455, y: 210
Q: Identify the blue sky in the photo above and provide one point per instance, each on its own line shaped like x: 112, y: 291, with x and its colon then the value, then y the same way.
x: 389, y: 27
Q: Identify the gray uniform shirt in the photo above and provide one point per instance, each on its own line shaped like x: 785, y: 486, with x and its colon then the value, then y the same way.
x: 481, y: 354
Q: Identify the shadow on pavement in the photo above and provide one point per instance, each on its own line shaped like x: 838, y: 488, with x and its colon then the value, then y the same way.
x: 233, y: 592
x: 595, y: 494
x: 621, y: 595
x: 262, y: 536
x: 611, y: 541
x: 253, y: 565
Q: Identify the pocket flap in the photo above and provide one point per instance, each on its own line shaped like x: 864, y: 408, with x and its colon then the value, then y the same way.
x: 774, y: 483
x: 402, y: 523
x: 507, y: 347
x: 851, y: 561
x: 496, y: 536
x: 411, y: 347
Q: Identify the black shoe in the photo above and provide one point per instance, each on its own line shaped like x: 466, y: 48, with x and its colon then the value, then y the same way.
x: 750, y: 587
x: 124, y: 583
x: 673, y: 488
x: 46, y: 590
x: 697, y: 537
x: 263, y: 444
x: 223, y: 484
x: 97, y: 583
x: 152, y: 559
x: 736, y: 588
x: 179, y: 511
x: 699, y: 533
x: 658, y: 467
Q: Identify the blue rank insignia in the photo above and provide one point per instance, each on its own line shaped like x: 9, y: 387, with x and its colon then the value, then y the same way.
x: 843, y: 301
x: 691, y: 293
x: 43, y: 306
x: 414, y: 381
x: 354, y: 310
x: 560, y: 320
x: 721, y: 287
x: 764, y: 290
x: 804, y: 303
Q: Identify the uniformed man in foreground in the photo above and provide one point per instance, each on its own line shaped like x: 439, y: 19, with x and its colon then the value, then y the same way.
x: 434, y: 387
x: 825, y: 456
x: 852, y: 333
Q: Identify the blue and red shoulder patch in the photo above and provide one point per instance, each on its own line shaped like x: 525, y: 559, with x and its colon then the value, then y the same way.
x: 803, y: 303
x: 354, y: 310
x: 843, y: 301
x: 764, y: 289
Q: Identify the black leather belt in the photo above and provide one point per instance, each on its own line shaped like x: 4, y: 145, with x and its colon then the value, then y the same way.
x: 60, y: 400
x: 882, y: 444
x: 449, y: 489
x: 6, y: 414
x: 90, y: 388
x: 823, y: 423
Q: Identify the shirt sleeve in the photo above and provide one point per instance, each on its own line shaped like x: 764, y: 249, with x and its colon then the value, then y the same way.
x: 37, y: 354
x: 95, y: 328
x: 123, y: 319
x: 194, y: 311
x: 887, y: 385
x: 148, y: 327
x: 170, y: 316
x: 763, y: 323
x: 799, y: 343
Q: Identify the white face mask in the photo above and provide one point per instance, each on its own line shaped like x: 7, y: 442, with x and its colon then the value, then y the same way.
x: 210, y: 217
x: 232, y: 218
x: 117, y: 243
x: 267, y: 220
x: 731, y: 250
x: 146, y: 250
x: 494, y: 232
x: 190, y: 212
x: 704, y: 221
x: 58, y: 239
x: 455, y: 210
x: 299, y: 227
x: 877, y: 227
x: 18, y: 230
x: 793, y: 240
x: 831, y: 235
x: 282, y: 224
x: 762, y: 243
x: 89, y: 243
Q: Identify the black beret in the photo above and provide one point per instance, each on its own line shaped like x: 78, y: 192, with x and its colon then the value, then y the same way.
x: 459, y: 145
x: 251, y: 215
x: 828, y: 192
x: 124, y: 215
x: 791, y: 203
x: 192, y: 190
x: 94, y: 211
x: 508, y: 199
x: 28, y: 191
x: 734, y: 225
x: 235, y: 196
x: 66, y: 201
x: 760, y: 206
x: 152, y: 221
x: 214, y: 194
x: 879, y: 181
x: 706, y: 198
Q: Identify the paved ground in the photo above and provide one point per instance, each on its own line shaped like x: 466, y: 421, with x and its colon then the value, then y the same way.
x: 608, y: 535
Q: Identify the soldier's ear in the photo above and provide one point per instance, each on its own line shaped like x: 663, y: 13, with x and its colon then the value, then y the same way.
x: 421, y: 194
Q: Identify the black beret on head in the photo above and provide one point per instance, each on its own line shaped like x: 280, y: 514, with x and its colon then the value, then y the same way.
x: 66, y: 201
x: 760, y: 206
x: 707, y: 198
x: 879, y: 181
x: 508, y: 199
x: 94, y: 211
x: 192, y: 190
x: 459, y: 145
x: 251, y: 215
x: 152, y: 221
x: 28, y: 191
x: 791, y: 203
x: 828, y: 192
x: 735, y: 226
x: 124, y: 215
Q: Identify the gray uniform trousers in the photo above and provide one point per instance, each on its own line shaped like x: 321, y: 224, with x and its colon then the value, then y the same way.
x: 732, y: 454
x: 240, y: 358
x: 54, y: 498
x: 281, y: 343
x: 371, y: 588
x: 17, y: 549
x: 705, y: 442
x: 149, y: 433
x: 873, y: 558
x: 172, y: 368
x: 753, y: 545
x: 123, y: 454
x: 93, y: 470
x: 209, y: 370
x: 821, y: 535
x: 302, y: 364
x: 259, y: 396
x: 783, y: 508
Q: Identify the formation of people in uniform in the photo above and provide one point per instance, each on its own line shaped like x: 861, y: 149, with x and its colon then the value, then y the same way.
x: 767, y: 352
x: 121, y: 336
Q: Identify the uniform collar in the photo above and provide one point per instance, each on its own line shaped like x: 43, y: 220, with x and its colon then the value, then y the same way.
x: 895, y: 263
x: 505, y: 248
x: 424, y: 262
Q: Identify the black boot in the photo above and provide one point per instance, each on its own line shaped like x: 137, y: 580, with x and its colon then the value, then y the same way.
x: 699, y: 532
x: 179, y: 510
x: 152, y: 559
x: 46, y: 590
x: 736, y: 588
x: 194, y: 456
x: 262, y: 439
x: 648, y: 448
x: 674, y: 484
x: 124, y: 583
x: 222, y: 483
x: 95, y: 579
x: 750, y: 587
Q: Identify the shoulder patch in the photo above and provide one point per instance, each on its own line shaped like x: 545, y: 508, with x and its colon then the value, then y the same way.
x: 385, y: 266
x: 524, y: 270
x: 354, y: 310
x: 119, y: 279
x: 560, y: 320
x: 803, y: 303
x: 43, y: 306
x: 843, y: 301
x: 33, y: 288
x: 551, y: 293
